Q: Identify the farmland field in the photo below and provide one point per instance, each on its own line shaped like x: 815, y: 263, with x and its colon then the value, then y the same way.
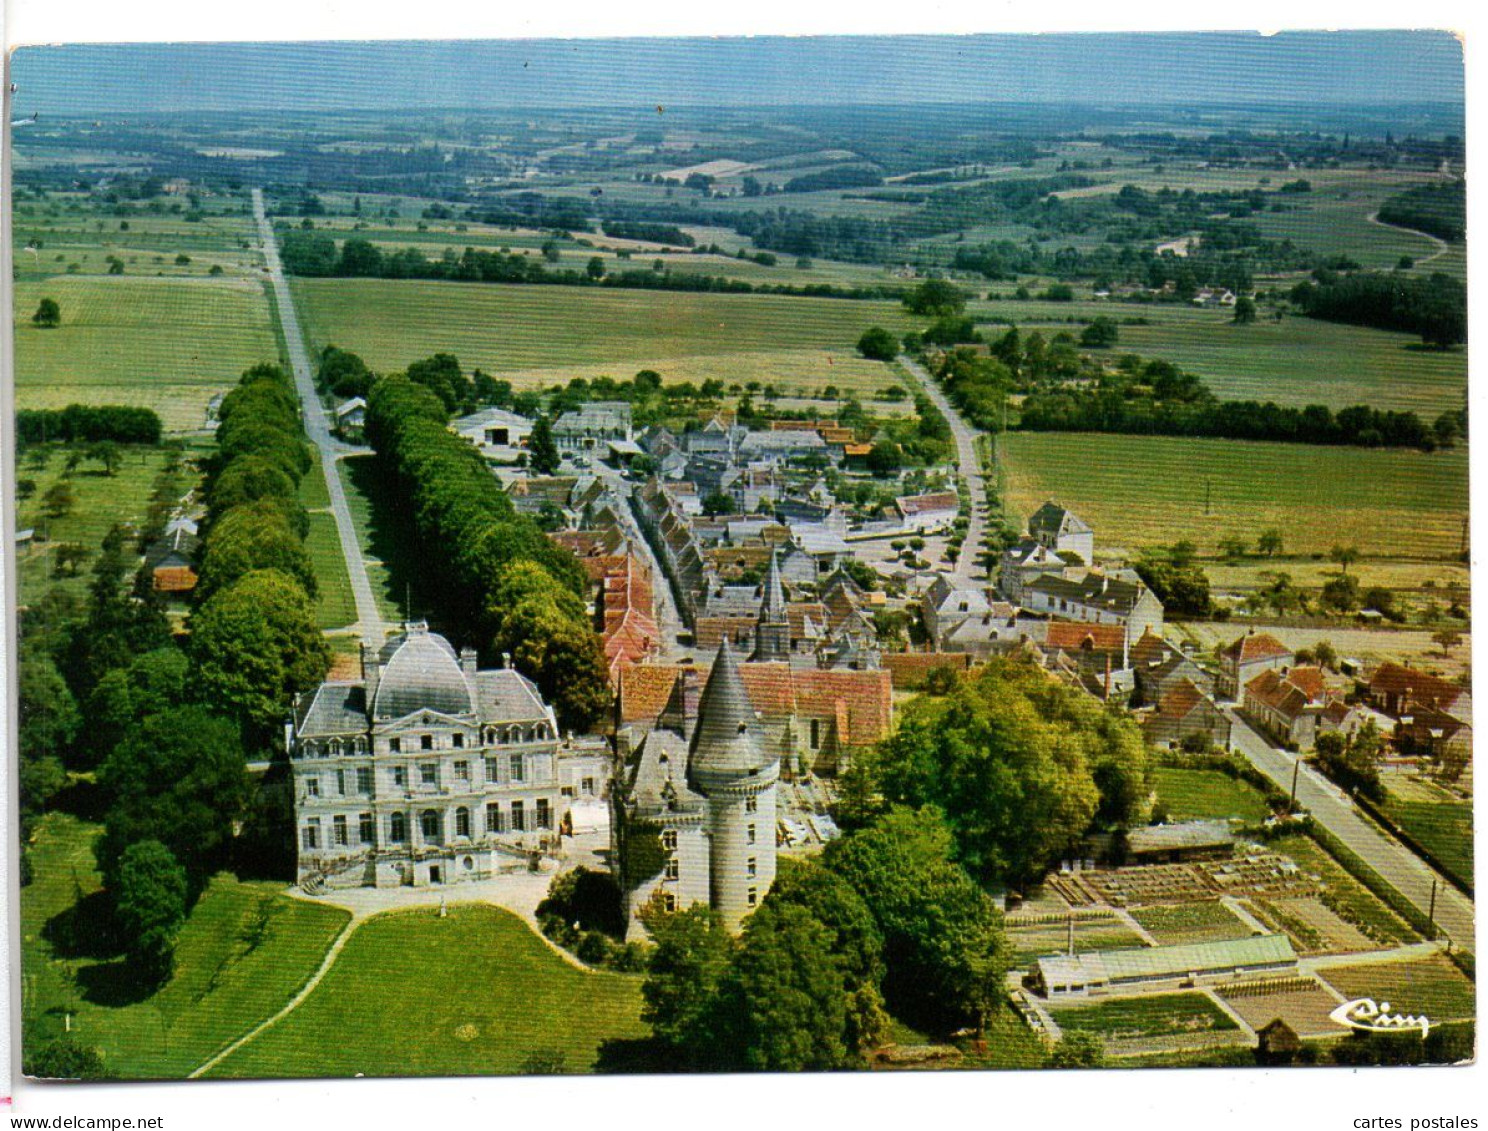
x: 1183, y: 923
x: 167, y: 344
x: 538, y: 335
x: 229, y: 975
x: 1190, y: 794
x: 1156, y: 1015
x: 1432, y: 986
x: 1053, y: 938
x: 1445, y: 828
x: 1344, y: 895
x: 388, y: 998
x: 1139, y: 491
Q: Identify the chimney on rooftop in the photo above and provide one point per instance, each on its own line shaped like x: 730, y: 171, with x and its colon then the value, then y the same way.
x: 467, y: 660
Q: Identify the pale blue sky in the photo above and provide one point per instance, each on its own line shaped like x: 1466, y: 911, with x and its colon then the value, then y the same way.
x: 1166, y: 68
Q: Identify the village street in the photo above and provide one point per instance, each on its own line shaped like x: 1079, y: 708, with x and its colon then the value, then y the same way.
x: 968, y: 564
x: 1405, y: 871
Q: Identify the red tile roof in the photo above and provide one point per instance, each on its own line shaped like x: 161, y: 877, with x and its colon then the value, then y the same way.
x: 1254, y: 646
x: 1070, y: 636
x: 1423, y: 687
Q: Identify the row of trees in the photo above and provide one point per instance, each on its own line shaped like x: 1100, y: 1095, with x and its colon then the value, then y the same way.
x: 315, y: 254
x: 489, y: 568
x: 1141, y: 410
x: 124, y: 424
x: 886, y: 918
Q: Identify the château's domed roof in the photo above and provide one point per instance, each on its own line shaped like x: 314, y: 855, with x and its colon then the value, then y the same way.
x: 421, y: 672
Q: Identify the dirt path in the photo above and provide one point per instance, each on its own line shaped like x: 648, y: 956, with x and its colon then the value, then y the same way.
x: 1441, y: 246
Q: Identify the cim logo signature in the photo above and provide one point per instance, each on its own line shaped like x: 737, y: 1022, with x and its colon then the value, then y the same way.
x: 1369, y: 1016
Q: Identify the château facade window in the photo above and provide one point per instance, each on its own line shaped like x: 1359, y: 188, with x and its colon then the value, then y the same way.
x: 426, y: 742
x: 400, y: 776
x: 338, y: 831
x: 429, y: 773
x: 310, y: 835
x: 395, y: 746
x: 544, y: 813
x: 429, y: 825
x: 366, y: 829
x: 462, y: 822
x: 397, y: 828
x: 518, y: 766
x: 519, y: 819
x: 493, y: 818
x: 364, y: 780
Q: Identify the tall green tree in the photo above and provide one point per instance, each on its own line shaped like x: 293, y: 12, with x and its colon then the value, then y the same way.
x: 255, y: 646
x: 179, y: 778
x: 48, y: 314
x: 944, y: 951
x: 679, y: 996
x: 542, y: 449
x: 149, y: 906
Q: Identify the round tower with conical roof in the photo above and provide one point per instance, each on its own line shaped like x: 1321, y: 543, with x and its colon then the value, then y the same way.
x: 729, y: 766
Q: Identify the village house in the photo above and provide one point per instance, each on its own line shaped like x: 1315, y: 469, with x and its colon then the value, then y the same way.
x: 1182, y: 709
x: 1063, y: 531
x: 1158, y: 667
x: 351, y: 419
x: 1021, y: 563
x: 1398, y: 691
x: 1294, y: 705
x: 1246, y: 657
x: 928, y: 514
x: 1097, y: 598
x: 171, y: 561
x: 590, y: 428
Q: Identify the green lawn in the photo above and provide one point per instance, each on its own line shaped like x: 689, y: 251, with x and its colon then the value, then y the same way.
x: 1184, y: 923
x: 387, y: 544
x: 1445, y: 828
x: 1158, y: 1015
x: 535, y: 335
x: 335, y: 604
x: 167, y: 344
x: 475, y: 993
x: 1432, y: 986
x: 227, y: 980
x: 1139, y: 491
x: 99, y: 501
x: 1207, y: 793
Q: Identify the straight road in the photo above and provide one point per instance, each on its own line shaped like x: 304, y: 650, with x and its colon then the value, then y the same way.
x: 968, y: 566
x: 1406, y: 872
x: 369, y: 620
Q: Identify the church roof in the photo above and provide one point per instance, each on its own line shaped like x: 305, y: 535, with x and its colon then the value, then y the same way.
x: 726, y: 741
x: 420, y: 671
x: 772, y: 602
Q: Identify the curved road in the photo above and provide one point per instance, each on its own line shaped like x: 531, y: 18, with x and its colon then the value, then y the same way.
x: 369, y: 620
x: 967, y: 464
x: 1441, y: 245
x: 1406, y: 872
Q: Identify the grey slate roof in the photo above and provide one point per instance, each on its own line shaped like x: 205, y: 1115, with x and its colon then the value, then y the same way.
x: 334, y: 708
x: 420, y: 671
x: 1056, y: 520
x: 1185, y: 834
x: 1157, y: 962
x: 180, y: 541
x: 726, y: 743
x: 506, y: 695
x: 772, y: 599
x: 1093, y: 589
x: 659, y: 777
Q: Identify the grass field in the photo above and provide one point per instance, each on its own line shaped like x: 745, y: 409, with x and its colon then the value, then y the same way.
x: 1183, y: 923
x: 335, y: 605
x: 99, y: 503
x: 1445, y: 828
x: 227, y: 980
x: 1188, y: 794
x: 386, y: 1007
x: 1432, y: 986
x: 387, y: 544
x: 540, y: 335
x: 1139, y: 491
x: 167, y: 344
x: 1157, y: 1015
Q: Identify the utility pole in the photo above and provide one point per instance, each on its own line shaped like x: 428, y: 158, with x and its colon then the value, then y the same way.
x: 1208, y: 483
x: 1431, y: 914
x: 1292, y: 801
